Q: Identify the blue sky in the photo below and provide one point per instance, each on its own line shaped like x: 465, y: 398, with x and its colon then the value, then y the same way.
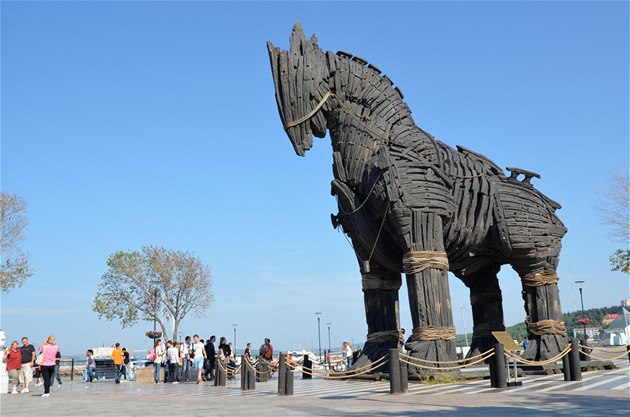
x: 154, y: 123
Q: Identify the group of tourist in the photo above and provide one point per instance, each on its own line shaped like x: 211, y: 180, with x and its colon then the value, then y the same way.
x: 22, y: 362
x: 179, y: 358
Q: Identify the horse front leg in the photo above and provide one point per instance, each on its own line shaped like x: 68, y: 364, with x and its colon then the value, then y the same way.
x: 380, y: 294
x: 426, y: 268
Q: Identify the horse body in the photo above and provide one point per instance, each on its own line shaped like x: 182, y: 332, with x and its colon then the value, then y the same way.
x: 413, y: 205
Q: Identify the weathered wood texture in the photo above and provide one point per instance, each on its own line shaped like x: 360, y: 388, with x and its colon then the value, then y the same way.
x: 400, y: 192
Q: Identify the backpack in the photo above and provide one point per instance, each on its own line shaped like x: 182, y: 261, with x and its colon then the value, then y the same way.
x: 152, y: 355
x: 268, y: 353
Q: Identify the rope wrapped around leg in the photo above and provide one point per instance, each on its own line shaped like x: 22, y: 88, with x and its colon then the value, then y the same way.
x: 538, y: 279
x: 385, y: 336
x: 417, y: 261
x: 543, y: 327
x: 433, y: 333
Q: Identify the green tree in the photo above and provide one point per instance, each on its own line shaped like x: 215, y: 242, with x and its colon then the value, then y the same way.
x: 153, y: 284
x: 14, y: 268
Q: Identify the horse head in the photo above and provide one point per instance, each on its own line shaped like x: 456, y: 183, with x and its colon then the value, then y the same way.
x: 300, y: 76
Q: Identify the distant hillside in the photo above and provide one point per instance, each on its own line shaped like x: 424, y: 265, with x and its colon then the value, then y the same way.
x: 519, y: 331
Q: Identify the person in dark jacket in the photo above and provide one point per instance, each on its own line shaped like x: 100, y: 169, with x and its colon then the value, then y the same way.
x: 211, y: 355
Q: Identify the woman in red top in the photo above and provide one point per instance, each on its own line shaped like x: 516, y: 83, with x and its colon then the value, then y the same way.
x: 13, y: 358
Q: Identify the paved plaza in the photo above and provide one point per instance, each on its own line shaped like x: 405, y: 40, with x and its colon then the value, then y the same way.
x: 601, y: 393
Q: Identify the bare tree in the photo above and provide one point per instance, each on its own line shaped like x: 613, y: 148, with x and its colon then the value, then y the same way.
x: 615, y: 208
x: 153, y: 284
x: 15, y: 268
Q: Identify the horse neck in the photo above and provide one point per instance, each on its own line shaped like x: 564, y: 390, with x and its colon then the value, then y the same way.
x: 371, y: 114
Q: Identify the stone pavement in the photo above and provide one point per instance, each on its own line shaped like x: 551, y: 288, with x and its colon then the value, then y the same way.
x: 601, y: 393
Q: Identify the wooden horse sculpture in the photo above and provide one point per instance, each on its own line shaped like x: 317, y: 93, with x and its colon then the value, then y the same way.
x: 411, y: 204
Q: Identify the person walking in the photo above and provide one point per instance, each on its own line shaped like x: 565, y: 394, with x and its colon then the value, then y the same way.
x: 119, y: 361
x: 56, y: 372
x: 125, y: 366
x: 90, y: 368
x: 347, y: 352
x: 28, y: 359
x: 199, y: 353
x: 49, y: 349
x: 13, y: 359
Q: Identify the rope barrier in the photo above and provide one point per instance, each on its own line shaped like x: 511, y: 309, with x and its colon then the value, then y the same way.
x: 450, y: 368
x: 605, y: 349
x: 343, y: 374
x: 545, y: 362
x: 402, y: 355
x: 621, y: 355
x: 356, y: 371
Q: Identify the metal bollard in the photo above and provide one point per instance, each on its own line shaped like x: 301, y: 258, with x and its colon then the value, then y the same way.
x: 575, y: 365
x: 394, y: 372
x: 498, y: 360
x: 289, y: 387
x: 282, y: 374
x: 566, y: 367
x: 221, y: 378
x: 307, y: 363
x: 72, y: 370
x: 404, y: 378
x: 244, y: 374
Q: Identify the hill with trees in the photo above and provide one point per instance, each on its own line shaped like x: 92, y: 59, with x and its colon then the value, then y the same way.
x: 596, y: 315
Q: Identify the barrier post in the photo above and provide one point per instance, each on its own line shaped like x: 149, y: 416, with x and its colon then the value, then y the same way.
x: 493, y: 377
x: 72, y: 370
x: 244, y: 374
x: 220, y: 380
x: 404, y: 378
x: 628, y: 349
x: 282, y: 375
x: 574, y: 361
x: 394, y: 371
x: 307, y: 363
x: 566, y: 367
x: 500, y: 374
x: 289, y: 387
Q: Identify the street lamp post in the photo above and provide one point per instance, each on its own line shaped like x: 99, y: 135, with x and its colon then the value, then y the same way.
x: 328, y: 324
x: 319, y: 335
x: 465, y: 334
x: 579, y: 284
x: 234, y: 325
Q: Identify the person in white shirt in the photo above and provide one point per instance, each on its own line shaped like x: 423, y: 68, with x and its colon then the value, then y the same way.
x: 199, y: 354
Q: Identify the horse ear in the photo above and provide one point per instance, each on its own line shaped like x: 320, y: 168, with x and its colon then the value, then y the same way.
x: 297, y: 38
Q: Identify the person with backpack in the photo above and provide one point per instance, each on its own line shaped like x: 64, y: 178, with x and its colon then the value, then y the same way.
x: 266, y: 350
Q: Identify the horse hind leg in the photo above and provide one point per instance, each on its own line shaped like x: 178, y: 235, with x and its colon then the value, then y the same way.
x: 487, y: 307
x: 426, y: 268
x: 546, y: 330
